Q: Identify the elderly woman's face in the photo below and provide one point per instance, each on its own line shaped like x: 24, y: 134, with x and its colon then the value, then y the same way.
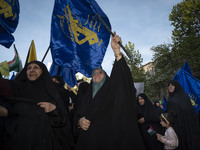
x: 33, y: 71
x: 171, y: 88
x: 97, y: 75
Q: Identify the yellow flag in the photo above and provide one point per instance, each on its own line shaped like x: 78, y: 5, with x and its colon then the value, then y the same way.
x: 31, y: 53
x: 4, y: 68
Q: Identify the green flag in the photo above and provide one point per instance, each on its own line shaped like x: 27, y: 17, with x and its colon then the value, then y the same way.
x: 15, y: 64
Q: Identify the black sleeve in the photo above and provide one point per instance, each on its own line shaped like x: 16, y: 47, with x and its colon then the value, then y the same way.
x: 57, y: 117
x: 5, y: 87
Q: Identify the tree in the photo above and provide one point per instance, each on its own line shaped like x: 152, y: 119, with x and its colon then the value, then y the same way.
x: 168, y: 58
x: 135, y: 63
x: 185, y: 17
x: 156, y: 84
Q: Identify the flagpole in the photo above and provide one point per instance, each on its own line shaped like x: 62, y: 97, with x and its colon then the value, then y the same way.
x: 26, y: 62
x: 106, y: 26
x: 46, y: 53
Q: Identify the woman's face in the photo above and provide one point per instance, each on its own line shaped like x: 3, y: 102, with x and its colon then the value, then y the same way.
x: 33, y: 71
x: 171, y: 88
x: 97, y: 75
x: 141, y: 100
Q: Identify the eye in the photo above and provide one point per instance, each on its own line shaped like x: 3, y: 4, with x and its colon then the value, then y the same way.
x: 29, y: 67
x: 36, y: 67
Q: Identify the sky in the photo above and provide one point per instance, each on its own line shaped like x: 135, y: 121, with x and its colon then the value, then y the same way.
x: 144, y: 23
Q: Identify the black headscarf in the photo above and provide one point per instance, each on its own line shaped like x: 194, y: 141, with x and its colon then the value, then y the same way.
x: 148, y: 110
x: 60, y: 79
x: 112, y: 112
x: 29, y: 122
x: 156, y: 102
x: 41, y: 89
x: 187, y: 128
x: 151, y: 116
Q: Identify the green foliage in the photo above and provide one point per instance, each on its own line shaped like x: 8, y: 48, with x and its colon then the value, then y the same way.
x: 134, y: 63
x: 155, y: 84
x: 185, y: 18
x: 168, y: 58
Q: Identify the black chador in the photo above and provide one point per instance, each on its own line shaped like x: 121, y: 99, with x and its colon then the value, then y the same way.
x: 112, y: 112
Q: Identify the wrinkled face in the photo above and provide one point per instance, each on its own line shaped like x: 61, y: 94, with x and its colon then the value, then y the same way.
x: 33, y: 71
x: 171, y: 88
x: 141, y: 100
x: 97, y: 75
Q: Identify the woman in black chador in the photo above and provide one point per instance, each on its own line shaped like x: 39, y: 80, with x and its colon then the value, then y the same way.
x: 148, y: 116
x: 106, y: 117
x: 187, y: 130
x: 37, y: 112
x: 67, y: 95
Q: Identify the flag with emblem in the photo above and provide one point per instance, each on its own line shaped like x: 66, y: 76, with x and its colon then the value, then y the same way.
x: 190, y: 84
x: 78, y: 38
x: 9, y: 17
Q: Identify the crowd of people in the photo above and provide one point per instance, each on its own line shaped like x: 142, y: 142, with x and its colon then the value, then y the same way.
x: 38, y: 113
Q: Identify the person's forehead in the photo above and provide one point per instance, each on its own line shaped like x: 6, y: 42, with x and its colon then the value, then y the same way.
x: 97, y: 70
x: 33, y: 64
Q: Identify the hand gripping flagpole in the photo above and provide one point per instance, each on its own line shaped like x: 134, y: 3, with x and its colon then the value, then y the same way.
x: 106, y: 26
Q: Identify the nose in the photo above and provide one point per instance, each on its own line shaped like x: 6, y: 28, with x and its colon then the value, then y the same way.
x: 31, y: 69
x: 96, y: 73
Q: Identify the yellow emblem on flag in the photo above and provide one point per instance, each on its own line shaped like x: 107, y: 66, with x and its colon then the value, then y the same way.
x: 6, y: 9
x: 76, y: 29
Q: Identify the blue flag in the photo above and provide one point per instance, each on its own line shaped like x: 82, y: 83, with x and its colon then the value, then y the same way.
x: 67, y: 74
x: 164, y: 103
x: 9, y: 17
x: 78, y: 39
x: 190, y: 84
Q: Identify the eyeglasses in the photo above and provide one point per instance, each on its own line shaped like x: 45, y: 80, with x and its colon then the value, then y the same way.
x: 97, y: 73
